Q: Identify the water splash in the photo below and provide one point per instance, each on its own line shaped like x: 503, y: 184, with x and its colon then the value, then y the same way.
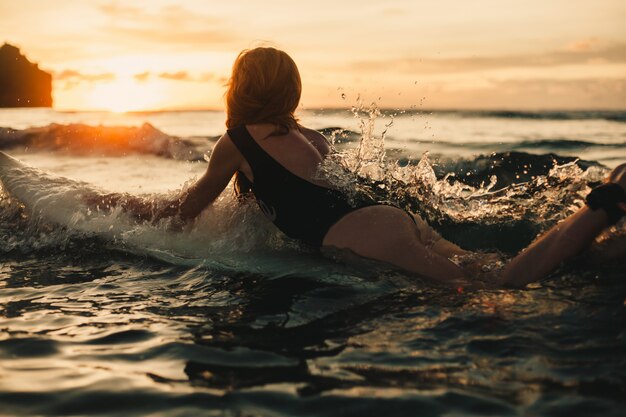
x: 366, y: 173
x: 42, y: 211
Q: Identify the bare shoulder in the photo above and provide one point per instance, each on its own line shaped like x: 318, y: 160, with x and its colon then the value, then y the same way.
x: 317, y: 139
x: 313, y: 135
x: 225, y: 145
x: 225, y: 154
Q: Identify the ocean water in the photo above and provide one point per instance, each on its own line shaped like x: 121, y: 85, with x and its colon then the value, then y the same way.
x: 101, y: 315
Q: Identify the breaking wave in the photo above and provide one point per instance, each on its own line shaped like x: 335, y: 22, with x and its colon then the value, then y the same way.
x: 80, y: 139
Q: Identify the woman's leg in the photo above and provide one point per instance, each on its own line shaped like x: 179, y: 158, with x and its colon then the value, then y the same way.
x: 563, y: 241
x: 433, y: 240
x: 387, y: 234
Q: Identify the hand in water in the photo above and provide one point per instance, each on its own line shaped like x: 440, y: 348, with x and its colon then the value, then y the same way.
x: 171, y: 209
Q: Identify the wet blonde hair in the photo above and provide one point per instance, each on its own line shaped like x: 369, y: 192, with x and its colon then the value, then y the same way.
x: 264, y: 87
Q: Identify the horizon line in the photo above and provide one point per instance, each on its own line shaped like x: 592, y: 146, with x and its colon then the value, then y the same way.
x: 409, y: 109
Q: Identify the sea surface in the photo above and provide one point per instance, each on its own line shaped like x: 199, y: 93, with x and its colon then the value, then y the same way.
x: 103, y: 315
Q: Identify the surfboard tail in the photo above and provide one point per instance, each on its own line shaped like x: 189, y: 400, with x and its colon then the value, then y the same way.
x: 7, y: 161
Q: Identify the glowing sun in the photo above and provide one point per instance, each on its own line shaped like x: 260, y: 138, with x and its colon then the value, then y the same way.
x: 125, y: 94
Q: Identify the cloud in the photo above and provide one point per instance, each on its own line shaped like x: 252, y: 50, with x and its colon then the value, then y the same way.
x: 583, y: 45
x: 171, y: 25
x: 177, y: 76
x: 142, y: 77
x: 185, y: 76
x: 581, y: 52
x: 394, y: 11
x: 539, y: 93
x: 209, y: 76
x: 65, y: 74
x: 76, y: 76
x: 114, y: 10
x: 591, y: 88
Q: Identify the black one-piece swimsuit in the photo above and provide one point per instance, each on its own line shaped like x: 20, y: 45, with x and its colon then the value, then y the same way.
x: 300, y: 209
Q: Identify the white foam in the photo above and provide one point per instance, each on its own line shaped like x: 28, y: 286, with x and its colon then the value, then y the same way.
x: 239, y: 239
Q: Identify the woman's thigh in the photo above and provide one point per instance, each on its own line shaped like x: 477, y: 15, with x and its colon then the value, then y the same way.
x: 389, y: 234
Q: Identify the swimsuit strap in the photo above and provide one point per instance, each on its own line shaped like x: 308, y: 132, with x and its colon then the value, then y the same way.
x: 257, y: 157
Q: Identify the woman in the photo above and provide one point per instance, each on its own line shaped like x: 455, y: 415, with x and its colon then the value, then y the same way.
x: 267, y: 148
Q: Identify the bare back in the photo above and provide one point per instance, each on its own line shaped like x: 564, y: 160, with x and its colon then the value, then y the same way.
x: 299, y: 151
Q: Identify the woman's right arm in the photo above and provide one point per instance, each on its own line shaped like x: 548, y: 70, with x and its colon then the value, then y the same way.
x: 224, y: 162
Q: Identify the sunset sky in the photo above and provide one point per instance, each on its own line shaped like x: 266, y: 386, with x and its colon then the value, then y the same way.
x: 161, y: 54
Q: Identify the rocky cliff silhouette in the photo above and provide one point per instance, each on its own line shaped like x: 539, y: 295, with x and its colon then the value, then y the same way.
x: 22, y: 83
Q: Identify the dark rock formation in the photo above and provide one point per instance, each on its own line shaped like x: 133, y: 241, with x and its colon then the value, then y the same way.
x: 22, y: 83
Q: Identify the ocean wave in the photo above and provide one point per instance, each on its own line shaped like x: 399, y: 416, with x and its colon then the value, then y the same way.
x: 81, y: 139
x: 563, y: 144
x: 615, y: 116
x: 557, y: 144
x: 339, y: 135
x: 608, y: 115
x: 509, y: 168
